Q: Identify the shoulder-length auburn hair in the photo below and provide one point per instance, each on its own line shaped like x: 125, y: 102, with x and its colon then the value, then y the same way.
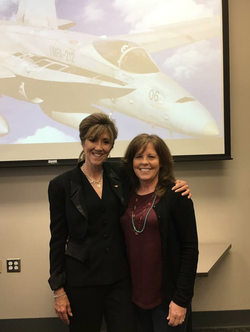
x: 166, y: 176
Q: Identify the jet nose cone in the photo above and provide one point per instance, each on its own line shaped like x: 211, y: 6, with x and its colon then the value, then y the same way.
x: 211, y: 129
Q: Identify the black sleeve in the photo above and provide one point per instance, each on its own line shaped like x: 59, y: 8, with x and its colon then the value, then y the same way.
x: 184, y: 218
x: 59, y: 235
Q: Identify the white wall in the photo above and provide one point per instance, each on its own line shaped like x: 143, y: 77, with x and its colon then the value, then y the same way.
x: 220, y: 191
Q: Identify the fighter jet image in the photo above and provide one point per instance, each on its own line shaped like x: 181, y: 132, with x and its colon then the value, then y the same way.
x: 71, y: 74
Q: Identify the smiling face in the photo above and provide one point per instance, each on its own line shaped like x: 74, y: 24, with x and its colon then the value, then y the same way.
x: 146, y: 165
x: 97, y: 149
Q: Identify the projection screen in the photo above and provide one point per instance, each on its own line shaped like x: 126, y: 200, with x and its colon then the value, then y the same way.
x: 157, y: 66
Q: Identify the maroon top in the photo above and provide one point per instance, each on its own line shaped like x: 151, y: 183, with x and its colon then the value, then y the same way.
x: 144, y: 252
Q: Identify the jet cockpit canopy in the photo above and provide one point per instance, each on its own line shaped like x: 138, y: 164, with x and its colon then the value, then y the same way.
x: 126, y: 55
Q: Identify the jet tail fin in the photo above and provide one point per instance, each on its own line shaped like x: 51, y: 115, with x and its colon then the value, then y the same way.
x: 33, y: 14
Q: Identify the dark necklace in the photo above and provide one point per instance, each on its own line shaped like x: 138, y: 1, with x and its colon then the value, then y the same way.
x: 149, y: 206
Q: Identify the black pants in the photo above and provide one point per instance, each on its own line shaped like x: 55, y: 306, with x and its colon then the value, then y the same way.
x: 90, y: 304
x: 154, y: 320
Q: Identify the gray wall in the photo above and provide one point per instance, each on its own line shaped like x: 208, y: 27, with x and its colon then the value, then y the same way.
x: 220, y: 192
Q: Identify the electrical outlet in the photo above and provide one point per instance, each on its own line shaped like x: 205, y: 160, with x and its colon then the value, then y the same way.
x: 13, y: 265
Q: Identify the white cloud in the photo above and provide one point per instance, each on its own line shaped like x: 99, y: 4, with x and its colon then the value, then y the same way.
x: 47, y: 135
x: 192, y: 59
x: 141, y: 14
x: 93, y: 12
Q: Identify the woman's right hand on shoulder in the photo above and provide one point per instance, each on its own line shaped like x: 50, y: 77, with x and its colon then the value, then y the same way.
x: 62, y: 305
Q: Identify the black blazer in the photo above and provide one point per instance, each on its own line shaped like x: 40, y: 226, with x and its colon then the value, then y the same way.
x: 79, y: 257
x: 176, y: 217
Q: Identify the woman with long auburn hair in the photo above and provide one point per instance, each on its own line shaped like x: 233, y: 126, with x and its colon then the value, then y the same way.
x: 161, y: 238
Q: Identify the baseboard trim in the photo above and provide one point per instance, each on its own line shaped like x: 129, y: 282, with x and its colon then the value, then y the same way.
x: 33, y: 325
x: 48, y: 324
x: 204, y: 321
x: 215, y: 319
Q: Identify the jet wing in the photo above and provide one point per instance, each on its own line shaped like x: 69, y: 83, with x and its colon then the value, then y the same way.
x: 42, y: 77
x: 6, y: 73
x: 175, y: 35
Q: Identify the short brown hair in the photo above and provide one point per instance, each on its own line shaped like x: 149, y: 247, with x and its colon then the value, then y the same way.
x: 95, y: 125
x: 166, y: 172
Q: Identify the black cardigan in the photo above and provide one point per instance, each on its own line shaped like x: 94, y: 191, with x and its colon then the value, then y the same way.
x: 177, y: 224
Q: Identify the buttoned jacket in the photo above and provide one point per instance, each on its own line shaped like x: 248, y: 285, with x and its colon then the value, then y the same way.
x: 70, y: 243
